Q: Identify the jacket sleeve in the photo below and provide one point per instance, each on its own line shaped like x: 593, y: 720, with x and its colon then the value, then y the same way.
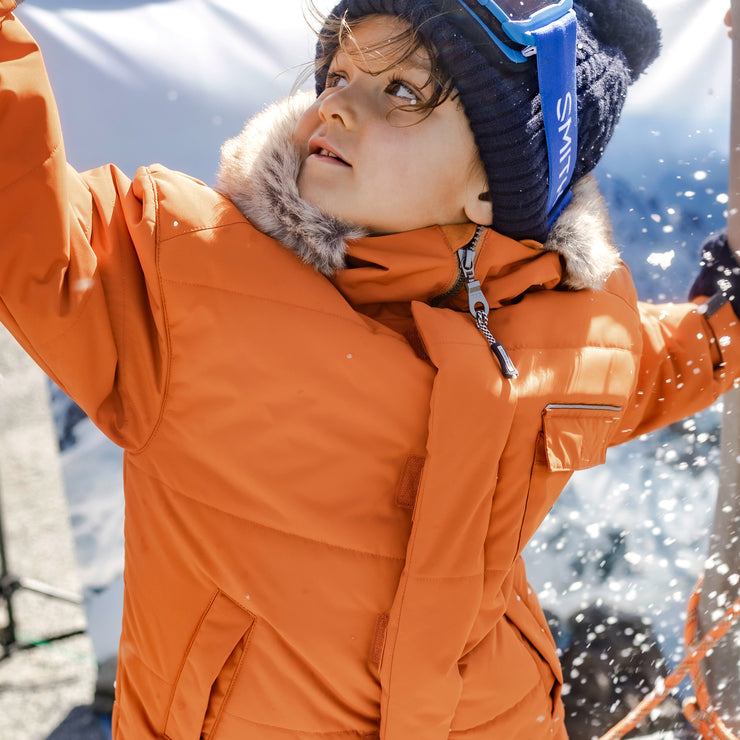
x: 78, y: 278
x: 687, y: 362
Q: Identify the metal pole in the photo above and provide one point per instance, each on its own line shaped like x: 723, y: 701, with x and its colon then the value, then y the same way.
x: 7, y: 632
x: 721, y: 584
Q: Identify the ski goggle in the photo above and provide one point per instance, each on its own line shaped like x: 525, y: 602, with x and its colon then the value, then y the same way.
x: 545, y: 29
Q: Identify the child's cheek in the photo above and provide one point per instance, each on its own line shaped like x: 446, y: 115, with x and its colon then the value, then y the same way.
x: 305, y: 128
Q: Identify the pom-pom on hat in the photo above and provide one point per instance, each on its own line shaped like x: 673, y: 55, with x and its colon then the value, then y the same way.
x: 616, y: 41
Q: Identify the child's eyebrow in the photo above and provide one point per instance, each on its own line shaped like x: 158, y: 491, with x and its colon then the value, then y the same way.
x: 421, y: 65
x: 414, y: 62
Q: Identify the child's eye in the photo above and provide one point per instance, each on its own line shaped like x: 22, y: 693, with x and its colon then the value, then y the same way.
x: 335, y: 79
x: 401, y: 89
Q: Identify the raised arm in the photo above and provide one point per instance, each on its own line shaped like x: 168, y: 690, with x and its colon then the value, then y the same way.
x: 78, y: 283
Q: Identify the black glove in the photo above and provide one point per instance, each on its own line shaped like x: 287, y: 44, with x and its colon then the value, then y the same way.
x: 719, y: 277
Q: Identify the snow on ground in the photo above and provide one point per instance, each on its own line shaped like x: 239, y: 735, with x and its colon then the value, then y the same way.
x: 37, y: 687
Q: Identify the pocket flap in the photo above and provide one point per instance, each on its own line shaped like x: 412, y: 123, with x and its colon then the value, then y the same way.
x: 221, y: 628
x: 576, y: 436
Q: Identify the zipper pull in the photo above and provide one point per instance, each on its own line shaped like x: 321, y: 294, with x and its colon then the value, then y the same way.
x: 476, y: 300
x: 478, y: 305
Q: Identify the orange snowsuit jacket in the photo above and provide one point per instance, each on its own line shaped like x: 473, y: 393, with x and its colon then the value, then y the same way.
x: 329, y: 482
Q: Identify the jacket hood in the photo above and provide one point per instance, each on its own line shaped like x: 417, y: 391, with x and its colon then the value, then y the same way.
x: 259, y: 170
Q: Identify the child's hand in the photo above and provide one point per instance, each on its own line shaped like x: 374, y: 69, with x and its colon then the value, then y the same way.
x: 728, y: 22
x: 719, y: 277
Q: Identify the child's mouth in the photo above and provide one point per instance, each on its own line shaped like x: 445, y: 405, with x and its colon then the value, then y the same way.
x: 328, y: 155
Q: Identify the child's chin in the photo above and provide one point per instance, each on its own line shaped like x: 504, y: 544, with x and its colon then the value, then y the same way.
x: 326, y: 206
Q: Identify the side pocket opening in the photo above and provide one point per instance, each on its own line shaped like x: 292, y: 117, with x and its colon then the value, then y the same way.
x: 209, y: 669
x: 540, y: 644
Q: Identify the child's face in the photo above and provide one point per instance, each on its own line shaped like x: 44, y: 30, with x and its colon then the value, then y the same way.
x: 375, y: 165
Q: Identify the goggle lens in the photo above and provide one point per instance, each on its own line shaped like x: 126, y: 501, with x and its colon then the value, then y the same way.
x: 519, y: 10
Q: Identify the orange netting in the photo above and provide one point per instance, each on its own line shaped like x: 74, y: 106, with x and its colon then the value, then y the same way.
x: 698, y: 710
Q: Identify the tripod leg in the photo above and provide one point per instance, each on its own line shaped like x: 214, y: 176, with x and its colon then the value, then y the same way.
x: 8, y: 585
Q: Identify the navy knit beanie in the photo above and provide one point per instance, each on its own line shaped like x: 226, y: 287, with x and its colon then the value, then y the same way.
x: 617, y: 40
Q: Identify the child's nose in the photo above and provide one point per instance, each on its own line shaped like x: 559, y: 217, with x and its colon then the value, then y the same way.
x: 340, y: 104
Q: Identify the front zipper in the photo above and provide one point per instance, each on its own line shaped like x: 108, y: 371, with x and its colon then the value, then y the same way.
x: 478, y: 305
x: 453, y: 291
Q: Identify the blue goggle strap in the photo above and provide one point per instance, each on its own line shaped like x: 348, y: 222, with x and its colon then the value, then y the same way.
x: 556, y: 70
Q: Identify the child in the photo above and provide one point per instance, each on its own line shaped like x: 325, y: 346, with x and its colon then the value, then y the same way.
x: 334, y: 454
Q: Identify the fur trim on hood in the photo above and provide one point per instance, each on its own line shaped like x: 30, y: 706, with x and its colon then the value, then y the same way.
x: 258, y: 173
x: 583, y: 238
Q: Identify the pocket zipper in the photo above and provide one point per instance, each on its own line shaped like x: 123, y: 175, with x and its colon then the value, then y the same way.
x: 585, y: 406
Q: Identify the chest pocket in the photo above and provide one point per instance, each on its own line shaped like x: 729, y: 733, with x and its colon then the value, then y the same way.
x: 573, y: 437
x: 576, y: 436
